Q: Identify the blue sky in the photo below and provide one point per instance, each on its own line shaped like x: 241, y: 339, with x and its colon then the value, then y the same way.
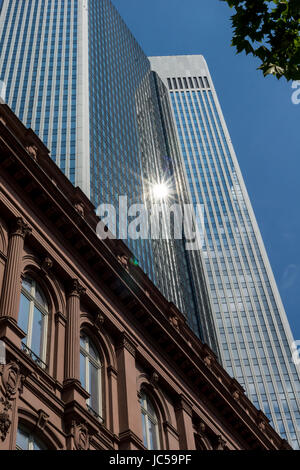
x: 262, y: 121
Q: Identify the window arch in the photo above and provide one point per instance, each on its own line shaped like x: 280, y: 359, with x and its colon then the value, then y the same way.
x: 33, y: 320
x: 90, y: 373
x: 150, y: 423
x: 28, y: 441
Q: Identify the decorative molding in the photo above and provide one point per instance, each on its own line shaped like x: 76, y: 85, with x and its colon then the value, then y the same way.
x: 11, y: 379
x: 111, y: 371
x: 262, y: 421
x: 201, y: 429
x: 99, y: 321
x: 47, y: 264
x: 169, y: 428
x: 221, y: 444
x: 21, y: 228
x: 32, y: 150
x: 236, y: 390
x: 208, y: 361
x: 79, y: 208
x: 81, y: 436
x: 124, y: 261
x: 76, y: 289
x: 154, y: 379
x: 174, y: 320
x: 130, y: 436
x: 184, y: 405
x: 43, y: 419
x: 126, y: 343
x: 60, y: 317
x: 10, y: 384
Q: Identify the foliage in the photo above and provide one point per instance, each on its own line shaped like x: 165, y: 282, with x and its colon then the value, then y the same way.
x: 270, y: 30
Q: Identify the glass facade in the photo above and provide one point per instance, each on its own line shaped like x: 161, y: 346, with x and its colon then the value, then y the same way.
x: 77, y: 76
x: 254, y: 337
x: 38, y: 63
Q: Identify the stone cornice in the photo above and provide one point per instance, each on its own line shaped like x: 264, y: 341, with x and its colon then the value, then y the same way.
x: 125, y: 342
x: 184, y: 405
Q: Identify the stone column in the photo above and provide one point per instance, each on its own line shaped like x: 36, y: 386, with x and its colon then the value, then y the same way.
x: 60, y: 334
x: 72, y: 364
x: 11, y: 286
x: 11, y: 382
x: 10, y: 295
x: 73, y: 393
x: 185, y: 424
x: 130, y: 420
x: 113, y: 423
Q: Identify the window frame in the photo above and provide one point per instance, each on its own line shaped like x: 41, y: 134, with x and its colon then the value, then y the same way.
x: 149, y: 417
x: 32, y: 439
x: 89, y: 359
x: 30, y: 296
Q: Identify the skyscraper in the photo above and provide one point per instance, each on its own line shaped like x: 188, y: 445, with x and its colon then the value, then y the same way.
x: 253, y: 333
x: 75, y: 74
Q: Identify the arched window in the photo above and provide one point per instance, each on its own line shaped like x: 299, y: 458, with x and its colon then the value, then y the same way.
x: 28, y: 441
x: 150, y: 423
x: 90, y: 373
x: 33, y: 317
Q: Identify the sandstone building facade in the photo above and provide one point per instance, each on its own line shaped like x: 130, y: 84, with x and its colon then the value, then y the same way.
x: 95, y: 357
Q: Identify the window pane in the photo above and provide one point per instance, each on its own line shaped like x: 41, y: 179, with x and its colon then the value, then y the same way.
x: 94, y: 388
x: 37, y: 332
x: 83, y: 342
x: 93, y: 352
x: 150, y: 409
x: 23, y: 313
x: 143, y: 401
x: 152, y: 435
x: 37, y: 445
x: 144, y: 430
x: 40, y: 297
x: 22, y: 439
x: 82, y: 371
x: 27, y: 284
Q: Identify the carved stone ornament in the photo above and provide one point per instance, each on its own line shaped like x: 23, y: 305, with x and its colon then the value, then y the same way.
x: 154, y: 379
x: 202, y: 428
x: 21, y: 228
x: 124, y: 261
x: 10, y: 384
x: 42, y: 420
x: 76, y: 288
x: 11, y: 379
x: 47, y: 264
x: 261, y: 421
x: 99, y: 320
x: 5, y: 423
x: 81, y: 437
x: 125, y: 343
x: 32, y: 150
x: 208, y: 360
x: 174, y: 320
x: 80, y: 208
x: 262, y: 426
x: 221, y: 444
